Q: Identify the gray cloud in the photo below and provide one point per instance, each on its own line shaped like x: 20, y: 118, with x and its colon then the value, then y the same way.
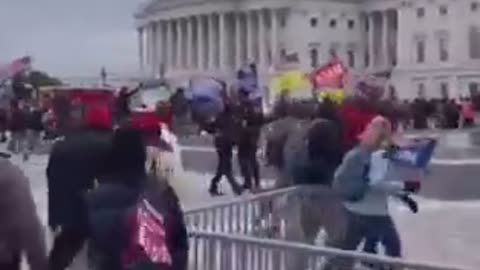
x: 70, y: 37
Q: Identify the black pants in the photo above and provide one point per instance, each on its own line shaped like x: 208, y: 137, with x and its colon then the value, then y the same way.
x: 247, y: 159
x: 14, y: 264
x: 224, y: 166
x: 66, y: 246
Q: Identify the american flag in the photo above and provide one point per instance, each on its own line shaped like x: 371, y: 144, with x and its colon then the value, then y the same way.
x: 15, y: 67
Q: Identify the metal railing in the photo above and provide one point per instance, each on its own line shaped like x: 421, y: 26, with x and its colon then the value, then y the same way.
x: 249, y: 233
x: 255, y: 215
x: 217, y: 251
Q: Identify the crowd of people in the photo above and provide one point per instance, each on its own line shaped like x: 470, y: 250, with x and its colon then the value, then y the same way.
x: 97, y: 180
x: 422, y: 113
x: 100, y: 192
x: 328, y: 148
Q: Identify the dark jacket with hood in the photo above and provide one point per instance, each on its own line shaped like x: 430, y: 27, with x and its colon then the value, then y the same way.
x: 225, y: 127
x: 74, y: 163
x: 312, y: 152
x: 34, y: 120
x: 251, y: 121
x: 124, y: 183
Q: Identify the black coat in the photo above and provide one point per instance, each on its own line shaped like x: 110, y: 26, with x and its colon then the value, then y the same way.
x: 225, y: 127
x: 251, y: 122
x: 74, y: 163
x: 34, y: 120
x: 18, y: 120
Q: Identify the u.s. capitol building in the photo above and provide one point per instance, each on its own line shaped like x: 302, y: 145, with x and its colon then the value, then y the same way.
x: 429, y: 47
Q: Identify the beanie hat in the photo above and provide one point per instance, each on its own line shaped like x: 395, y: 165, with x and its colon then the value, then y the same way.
x: 128, y: 151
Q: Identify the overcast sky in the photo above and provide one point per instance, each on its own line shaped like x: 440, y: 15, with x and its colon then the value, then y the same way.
x: 70, y: 37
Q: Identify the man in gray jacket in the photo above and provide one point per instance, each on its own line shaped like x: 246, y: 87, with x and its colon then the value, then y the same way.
x: 20, y: 227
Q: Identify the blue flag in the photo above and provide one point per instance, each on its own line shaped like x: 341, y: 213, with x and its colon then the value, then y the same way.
x: 416, y: 155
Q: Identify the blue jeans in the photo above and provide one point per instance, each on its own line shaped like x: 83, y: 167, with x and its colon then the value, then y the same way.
x: 372, y: 229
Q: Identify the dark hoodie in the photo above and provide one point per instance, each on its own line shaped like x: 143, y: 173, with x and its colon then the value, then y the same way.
x: 74, y: 163
x: 124, y: 182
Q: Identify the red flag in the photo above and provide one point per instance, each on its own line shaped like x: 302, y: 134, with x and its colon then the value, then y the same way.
x: 330, y: 75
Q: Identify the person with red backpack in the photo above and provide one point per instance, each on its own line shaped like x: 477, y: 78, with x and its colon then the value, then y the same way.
x: 135, y: 221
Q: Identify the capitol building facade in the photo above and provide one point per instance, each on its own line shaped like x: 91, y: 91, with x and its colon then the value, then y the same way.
x: 424, y: 47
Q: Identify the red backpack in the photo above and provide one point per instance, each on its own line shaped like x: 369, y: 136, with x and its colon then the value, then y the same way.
x: 147, y: 244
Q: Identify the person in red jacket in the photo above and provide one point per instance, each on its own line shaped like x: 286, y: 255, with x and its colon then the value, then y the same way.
x: 358, y: 110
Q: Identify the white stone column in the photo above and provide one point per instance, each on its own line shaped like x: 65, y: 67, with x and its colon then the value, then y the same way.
x: 160, y: 39
x: 371, y: 40
x: 163, y: 47
x: 179, y: 43
x: 211, y: 41
x: 274, y: 37
x: 385, y: 56
x: 148, y: 47
x: 154, y: 63
x: 189, y: 43
x: 262, y: 43
x: 201, y: 42
x: 140, y: 48
x: 238, y: 40
x: 170, y: 43
x: 222, y: 38
x: 250, y: 39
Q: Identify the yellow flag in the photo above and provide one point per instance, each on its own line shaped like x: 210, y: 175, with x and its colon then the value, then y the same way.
x: 290, y: 81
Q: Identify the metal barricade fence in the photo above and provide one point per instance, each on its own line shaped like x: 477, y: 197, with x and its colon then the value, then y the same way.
x: 253, y: 215
x: 237, y: 234
x: 217, y: 251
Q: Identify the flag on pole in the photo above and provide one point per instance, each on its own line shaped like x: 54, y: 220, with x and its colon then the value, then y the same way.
x: 415, y: 155
x: 330, y: 75
x: 15, y: 67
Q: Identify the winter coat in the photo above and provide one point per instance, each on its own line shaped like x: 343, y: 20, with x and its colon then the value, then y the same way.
x: 312, y: 152
x: 75, y: 161
x: 355, y: 116
x: 34, y: 120
x: 20, y: 227
x: 107, y: 208
x: 179, y: 104
x: 380, y: 186
x: 307, y: 152
x: 276, y: 134
x: 18, y: 121
x: 251, y: 121
x: 225, y: 127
